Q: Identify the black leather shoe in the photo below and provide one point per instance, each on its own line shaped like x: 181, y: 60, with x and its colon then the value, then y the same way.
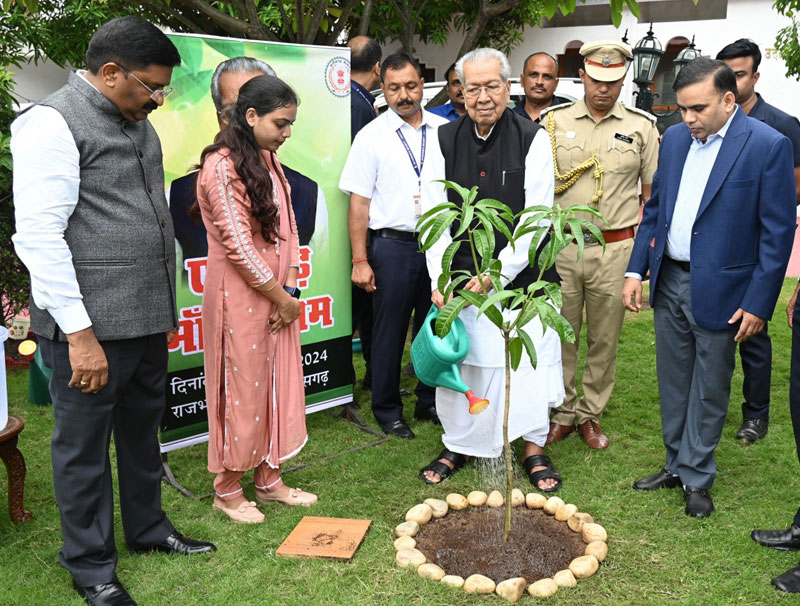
x: 427, y: 414
x: 662, y: 479
x: 782, y: 540
x: 398, y: 428
x: 107, y: 594
x: 698, y: 502
x: 179, y: 544
x: 752, y: 430
x: 789, y: 581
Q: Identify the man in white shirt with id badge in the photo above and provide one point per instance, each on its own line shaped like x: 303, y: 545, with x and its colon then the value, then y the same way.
x: 388, y: 182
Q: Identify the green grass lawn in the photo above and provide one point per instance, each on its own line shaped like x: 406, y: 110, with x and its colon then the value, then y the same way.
x: 657, y: 555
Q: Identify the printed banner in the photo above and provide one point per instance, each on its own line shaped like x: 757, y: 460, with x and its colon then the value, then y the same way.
x: 312, y: 160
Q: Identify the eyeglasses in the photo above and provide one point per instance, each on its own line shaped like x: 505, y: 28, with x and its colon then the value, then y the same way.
x: 491, y: 90
x: 155, y: 95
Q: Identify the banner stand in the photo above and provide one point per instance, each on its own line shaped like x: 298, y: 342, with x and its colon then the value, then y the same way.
x: 348, y: 412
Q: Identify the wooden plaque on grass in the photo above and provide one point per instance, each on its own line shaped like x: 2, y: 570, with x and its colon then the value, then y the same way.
x: 334, y: 538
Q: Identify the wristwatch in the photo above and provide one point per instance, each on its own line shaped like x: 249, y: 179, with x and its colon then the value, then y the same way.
x: 293, y: 290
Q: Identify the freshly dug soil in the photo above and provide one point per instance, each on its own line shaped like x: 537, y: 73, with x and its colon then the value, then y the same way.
x: 471, y: 542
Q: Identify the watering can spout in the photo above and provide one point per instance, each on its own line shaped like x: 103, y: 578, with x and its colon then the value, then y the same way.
x: 436, y: 360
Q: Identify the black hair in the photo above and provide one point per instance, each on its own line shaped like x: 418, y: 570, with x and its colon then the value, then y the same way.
x: 700, y: 69
x: 131, y: 42
x: 264, y: 94
x: 536, y: 54
x: 743, y: 47
x: 399, y: 60
x: 452, y: 68
x: 364, y: 55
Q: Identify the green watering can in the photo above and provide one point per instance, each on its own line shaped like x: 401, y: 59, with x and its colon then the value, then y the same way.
x: 436, y: 360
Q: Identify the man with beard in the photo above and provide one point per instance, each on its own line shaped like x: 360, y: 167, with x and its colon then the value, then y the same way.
x: 455, y: 108
x: 389, y: 180
x: 539, y: 80
x: 94, y: 230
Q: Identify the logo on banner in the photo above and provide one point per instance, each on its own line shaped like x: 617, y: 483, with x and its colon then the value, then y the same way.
x: 337, y: 76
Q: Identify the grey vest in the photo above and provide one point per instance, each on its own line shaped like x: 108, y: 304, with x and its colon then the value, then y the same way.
x: 120, y: 234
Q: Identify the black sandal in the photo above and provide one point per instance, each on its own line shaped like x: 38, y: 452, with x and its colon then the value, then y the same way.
x: 442, y: 469
x: 543, y: 474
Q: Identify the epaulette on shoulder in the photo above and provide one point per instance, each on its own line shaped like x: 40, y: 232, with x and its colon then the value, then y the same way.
x: 647, y: 115
x: 555, y: 107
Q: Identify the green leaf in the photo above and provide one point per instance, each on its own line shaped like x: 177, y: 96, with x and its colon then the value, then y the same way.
x: 529, y: 346
x: 489, y: 231
x: 447, y: 315
x: 577, y: 231
x: 496, y: 298
x: 449, y: 253
x: 455, y: 283
x: 481, y: 244
x: 468, y: 211
x: 502, y: 227
x: 616, y: 12
x: 440, y: 225
x: 424, y: 221
x: 550, y: 7
x: 515, y: 352
x: 633, y: 6
x: 553, y: 292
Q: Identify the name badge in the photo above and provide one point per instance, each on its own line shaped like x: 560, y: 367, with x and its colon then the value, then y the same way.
x: 417, y: 206
x: 570, y: 134
x: 625, y: 138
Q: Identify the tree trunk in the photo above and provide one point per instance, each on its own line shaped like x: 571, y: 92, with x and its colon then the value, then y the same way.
x: 506, y: 443
x: 363, y: 27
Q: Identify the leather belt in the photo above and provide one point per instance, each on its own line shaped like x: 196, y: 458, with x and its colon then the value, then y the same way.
x: 610, y: 236
x: 395, y: 234
x: 684, y: 265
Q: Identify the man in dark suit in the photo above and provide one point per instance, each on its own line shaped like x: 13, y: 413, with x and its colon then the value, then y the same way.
x: 744, y: 57
x: 716, y: 236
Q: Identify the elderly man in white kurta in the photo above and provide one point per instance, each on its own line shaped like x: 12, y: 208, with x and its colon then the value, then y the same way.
x: 510, y: 160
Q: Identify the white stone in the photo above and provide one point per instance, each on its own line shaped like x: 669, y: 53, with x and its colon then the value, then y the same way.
x: 511, y: 589
x: 456, y: 501
x: 477, y: 498
x: 430, y: 571
x: 534, y: 500
x: 565, y: 578
x: 406, y: 529
x: 495, y: 499
x: 404, y: 542
x: 438, y: 507
x: 410, y: 557
x: 477, y: 583
x: 421, y: 514
x: 543, y: 588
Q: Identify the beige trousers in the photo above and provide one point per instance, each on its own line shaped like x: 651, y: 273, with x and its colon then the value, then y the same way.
x: 594, y: 283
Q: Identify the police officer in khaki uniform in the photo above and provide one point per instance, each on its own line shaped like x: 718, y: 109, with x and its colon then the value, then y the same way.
x: 602, y: 151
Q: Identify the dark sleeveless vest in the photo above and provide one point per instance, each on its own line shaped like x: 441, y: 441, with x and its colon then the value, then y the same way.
x: 120, y: 233
x: 497, y: 167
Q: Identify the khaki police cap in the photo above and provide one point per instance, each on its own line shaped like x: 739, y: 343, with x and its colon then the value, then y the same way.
x: 606, y: 60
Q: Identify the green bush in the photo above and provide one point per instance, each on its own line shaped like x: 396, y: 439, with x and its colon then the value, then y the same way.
x: 14, y: 279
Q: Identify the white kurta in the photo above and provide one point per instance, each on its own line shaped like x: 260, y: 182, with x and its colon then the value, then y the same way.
x: 533, y: 392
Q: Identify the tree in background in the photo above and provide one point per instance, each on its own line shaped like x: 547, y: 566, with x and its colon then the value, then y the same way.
x: 787, y: 41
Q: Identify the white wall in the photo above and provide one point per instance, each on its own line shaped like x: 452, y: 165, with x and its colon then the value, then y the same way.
x: 753, y: 19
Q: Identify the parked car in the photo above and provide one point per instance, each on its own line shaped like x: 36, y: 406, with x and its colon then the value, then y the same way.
x: 569, y: 88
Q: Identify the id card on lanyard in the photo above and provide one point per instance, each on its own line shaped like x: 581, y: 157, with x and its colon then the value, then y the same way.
x: 417, y: 168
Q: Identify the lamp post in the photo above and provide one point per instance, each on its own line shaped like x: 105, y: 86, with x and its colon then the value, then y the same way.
x: 646, y: 56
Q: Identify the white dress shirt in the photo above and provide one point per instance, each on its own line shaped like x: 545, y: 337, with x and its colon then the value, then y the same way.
x: 46, y: 184
x: 378, y: 167
x: 538, y: 186
x: 696, y: 170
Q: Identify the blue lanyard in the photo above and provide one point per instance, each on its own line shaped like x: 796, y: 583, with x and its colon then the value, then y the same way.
x: 417, y: 169
x: 363, y: 96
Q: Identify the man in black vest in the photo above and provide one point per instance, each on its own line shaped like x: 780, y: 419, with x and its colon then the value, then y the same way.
x: 509, y: 159
x: 94, y: 230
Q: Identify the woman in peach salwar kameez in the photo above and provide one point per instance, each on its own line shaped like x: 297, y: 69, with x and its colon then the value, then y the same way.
x: 254, y: 375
